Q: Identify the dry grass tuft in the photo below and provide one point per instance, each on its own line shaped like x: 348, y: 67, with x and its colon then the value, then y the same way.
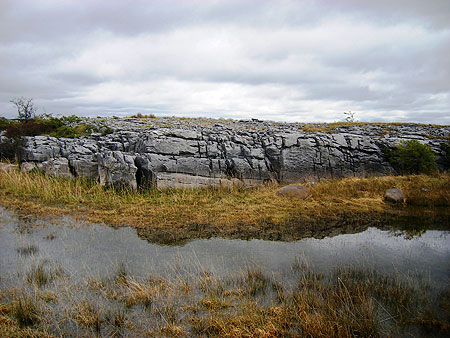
x: 28, y: 249
x: 88, y: 316
x: 137, y: 293
x: 25, y: 311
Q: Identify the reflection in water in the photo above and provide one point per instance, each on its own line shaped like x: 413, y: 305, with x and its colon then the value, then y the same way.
x: 84, y: 249
x: 93, y: 280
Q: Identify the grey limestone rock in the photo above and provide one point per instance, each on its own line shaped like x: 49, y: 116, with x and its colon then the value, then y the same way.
x: 174, y: 180
x: 167, y: 151
x: 117, y: 169
x: 85, y: 166
x: 56, y: 167
x: 394, y: 195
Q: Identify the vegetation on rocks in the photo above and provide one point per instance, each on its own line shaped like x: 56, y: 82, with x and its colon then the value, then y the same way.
x: 412, y: 157
x: 52, y: 126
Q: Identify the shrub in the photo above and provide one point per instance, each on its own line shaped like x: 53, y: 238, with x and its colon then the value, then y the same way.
x: 412, y: 157
x: 31, y: 127
x: 5, y: 123
x: 446, y: 154
x: 143, y: 116
x: 44, y: 125
x: 11, y: 148
x: 64, y: 131
x: 70, y: 119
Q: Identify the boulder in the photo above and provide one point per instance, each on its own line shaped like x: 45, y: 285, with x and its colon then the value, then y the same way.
x: 394, y: 196
x: 294, y: 191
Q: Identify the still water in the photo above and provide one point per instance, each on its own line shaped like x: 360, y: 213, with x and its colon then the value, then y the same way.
x: 86, y: 250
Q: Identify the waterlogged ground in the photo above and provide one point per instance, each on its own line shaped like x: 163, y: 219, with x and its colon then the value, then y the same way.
x: 87, y: 278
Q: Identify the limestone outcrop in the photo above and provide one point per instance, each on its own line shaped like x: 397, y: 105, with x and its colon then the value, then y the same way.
x: 171, y: 152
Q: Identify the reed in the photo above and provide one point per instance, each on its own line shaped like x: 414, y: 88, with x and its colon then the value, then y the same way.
x: 348, y: 302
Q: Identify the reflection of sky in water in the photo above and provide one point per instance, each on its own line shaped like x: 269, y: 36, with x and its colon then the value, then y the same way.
x: 86, y: 251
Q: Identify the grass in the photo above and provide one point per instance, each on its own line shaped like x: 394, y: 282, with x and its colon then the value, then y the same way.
x: 143, y: 116
x: 88, y: 316
x: 329, y: 127
x: 25, y: 311
x: 27, y: 250
x: 171, y: 216
x: 347, y: 302
x: 39, y: 275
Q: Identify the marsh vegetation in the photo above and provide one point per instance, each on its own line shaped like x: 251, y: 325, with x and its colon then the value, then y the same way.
x: 50, y: 288
x: 347, y: 302
x: 92, y: 280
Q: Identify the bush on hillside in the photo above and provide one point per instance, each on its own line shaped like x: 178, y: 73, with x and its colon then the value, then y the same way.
x: 5, y: 123
x: 11, y: 148
x: 412, y: 157
x: 47, y: 125
x: 446, y: 155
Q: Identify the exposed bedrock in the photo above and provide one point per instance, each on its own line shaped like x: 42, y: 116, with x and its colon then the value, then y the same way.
x: 166, y: 152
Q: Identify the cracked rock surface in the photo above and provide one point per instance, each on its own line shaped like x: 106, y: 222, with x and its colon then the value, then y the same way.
x: 177, y: 152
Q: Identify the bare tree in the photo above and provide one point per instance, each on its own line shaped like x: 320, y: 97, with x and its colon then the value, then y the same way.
x: 25, y: 107
x: 350, y: 116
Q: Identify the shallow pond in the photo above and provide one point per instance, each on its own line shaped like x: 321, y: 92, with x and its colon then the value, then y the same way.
x: 104, y: 270
x: 83, y: 249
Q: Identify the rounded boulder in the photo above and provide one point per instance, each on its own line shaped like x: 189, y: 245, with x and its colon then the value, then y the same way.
x: 394, y: 196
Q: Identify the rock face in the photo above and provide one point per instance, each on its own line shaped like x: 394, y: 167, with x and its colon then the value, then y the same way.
x: 394, y: 196
x: 116, y: 169
x: 171, y: 152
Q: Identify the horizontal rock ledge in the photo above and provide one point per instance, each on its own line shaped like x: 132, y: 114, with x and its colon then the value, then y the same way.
x: 190, y: 153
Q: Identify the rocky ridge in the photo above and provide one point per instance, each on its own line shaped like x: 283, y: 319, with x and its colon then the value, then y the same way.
x: 177, y: 152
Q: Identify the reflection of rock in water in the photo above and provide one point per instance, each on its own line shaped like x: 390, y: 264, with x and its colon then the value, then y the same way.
x: 409, y: 226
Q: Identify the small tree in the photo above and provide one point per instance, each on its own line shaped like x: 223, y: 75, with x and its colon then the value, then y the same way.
x: 413, y: 157
x: 25, y: 107
x: 349, y: 116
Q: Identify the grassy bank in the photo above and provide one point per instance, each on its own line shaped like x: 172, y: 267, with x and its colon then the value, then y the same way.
x: 175, y: 215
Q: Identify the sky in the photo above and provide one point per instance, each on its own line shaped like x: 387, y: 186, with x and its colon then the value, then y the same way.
x: 293, y: 61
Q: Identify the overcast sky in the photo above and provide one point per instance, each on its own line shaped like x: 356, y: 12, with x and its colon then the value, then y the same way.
x: 303, y: 61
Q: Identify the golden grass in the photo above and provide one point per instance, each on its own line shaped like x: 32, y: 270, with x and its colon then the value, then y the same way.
x: 348, y: 302
x: 183, y: 214
x: 328, y: 127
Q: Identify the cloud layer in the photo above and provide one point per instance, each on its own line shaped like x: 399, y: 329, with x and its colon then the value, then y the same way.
x: 279, y: 60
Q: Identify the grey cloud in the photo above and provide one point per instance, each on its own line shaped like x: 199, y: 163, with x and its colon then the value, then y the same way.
x: 433, y: 13
x: 262, y: 54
